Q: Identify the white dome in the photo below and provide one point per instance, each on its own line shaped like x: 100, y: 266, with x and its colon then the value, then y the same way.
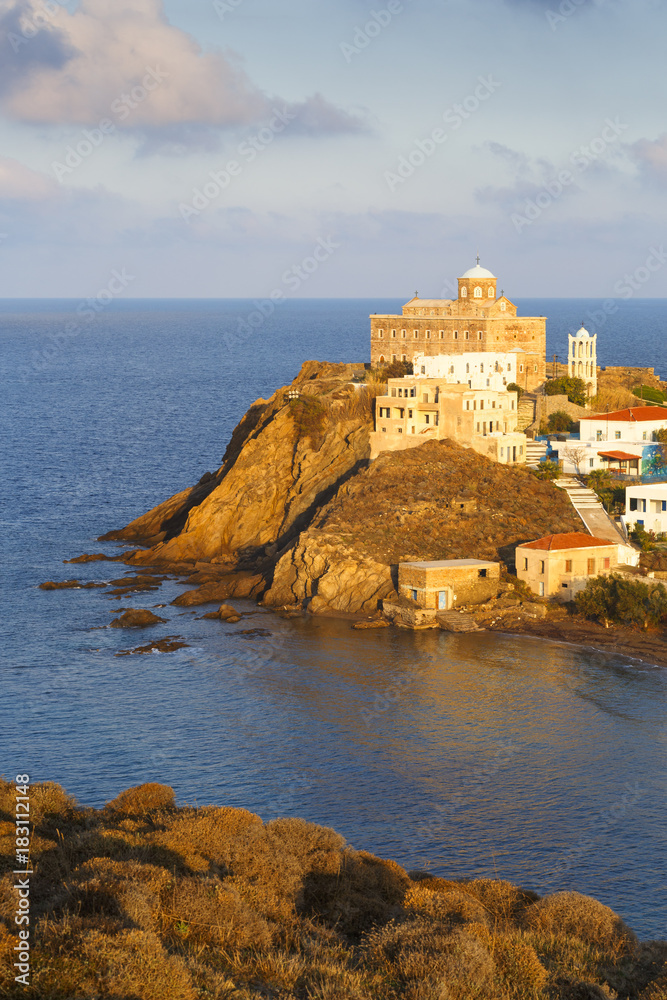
x: 478, y: 272
x: 583, y: 332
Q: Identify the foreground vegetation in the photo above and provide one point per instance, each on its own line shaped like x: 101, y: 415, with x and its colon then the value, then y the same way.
x: 145, y: 901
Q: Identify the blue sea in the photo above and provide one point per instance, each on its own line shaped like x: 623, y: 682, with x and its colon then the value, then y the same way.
x: 538, y: 762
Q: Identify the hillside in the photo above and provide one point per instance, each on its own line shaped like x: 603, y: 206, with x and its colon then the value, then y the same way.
x: 297, y: 501
x: 145, y: 901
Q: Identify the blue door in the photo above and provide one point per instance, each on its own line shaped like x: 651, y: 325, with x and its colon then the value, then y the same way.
x: 442, y: 600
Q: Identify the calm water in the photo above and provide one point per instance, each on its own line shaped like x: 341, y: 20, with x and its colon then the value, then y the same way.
x: 533, y: 761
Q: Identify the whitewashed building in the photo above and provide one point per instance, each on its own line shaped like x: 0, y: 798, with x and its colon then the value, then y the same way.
x: 477, y: 370
x: 621, y: 441
x: 647, y: 506
x: 582, y: 358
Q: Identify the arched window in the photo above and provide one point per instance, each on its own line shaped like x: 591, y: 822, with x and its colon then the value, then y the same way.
x: 478, y: 292
x: 467, y: 335
x: 490, y: 293
x: 382, y: 359
x: 464, y: 292
x: 503, y: 306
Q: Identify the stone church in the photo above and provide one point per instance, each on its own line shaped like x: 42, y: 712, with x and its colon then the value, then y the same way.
x: 478, y: 320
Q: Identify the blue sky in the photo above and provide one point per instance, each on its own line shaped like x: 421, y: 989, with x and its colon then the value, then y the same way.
x: 206, y: 146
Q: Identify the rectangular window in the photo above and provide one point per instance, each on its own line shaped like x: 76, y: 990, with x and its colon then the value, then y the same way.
x: 416, y: 334
x: 403, y: 334
x: 481, y: 404
x: 598, y: 435
x: 591, y: 463
x: 428, y: 334
x: 535, y: 369
x: 456, y: 334
x: 644, y: 435
x: 442, y: 335
x: 478, y: 428
x: 467, y: 404
x: 414, y: 595
x: 591, y: 567
x: 393, y: 333
x: 381, y: 334
x: 410, y: 414
x: 617, y: 435
x: 467, y: 335
x: 479, y: 335
x: 542, y: 565
x: 482, y: 574
x: 607, y: 563
x: 525, y: 564
x: 384, y: 430
x: 425, y: 397
x: 633, y: 503
x: 437, y: 419
x: 393, y: 392
x: 520, y: 368
x: 664, y: 504
x: 413, y: 392
x: 568, y: 565
x: 400, y: 430
x: 427, y: 418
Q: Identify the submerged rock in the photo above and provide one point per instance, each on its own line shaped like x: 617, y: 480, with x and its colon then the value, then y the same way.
x: 167, y: 645
x: 70, y: 585
x: 233, y: 585
x: 225, y: 613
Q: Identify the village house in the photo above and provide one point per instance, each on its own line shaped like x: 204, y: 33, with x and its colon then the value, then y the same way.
x: 426, y: 588
x: 560, y: 565
x: 417, y: 409
x: 646, y: 506
x: 477, y: 370
x: 478, y: 320
x: 621, y: 441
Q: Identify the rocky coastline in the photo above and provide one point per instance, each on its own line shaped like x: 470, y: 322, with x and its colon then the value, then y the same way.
x: 299, y: 519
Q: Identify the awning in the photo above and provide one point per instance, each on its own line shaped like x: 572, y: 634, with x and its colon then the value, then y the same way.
x: 619, y: 456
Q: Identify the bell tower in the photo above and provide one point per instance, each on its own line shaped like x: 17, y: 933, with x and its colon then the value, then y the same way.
x: 477, y: 287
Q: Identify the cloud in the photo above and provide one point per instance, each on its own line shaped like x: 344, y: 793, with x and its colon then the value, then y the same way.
x: 652, y: 155
x: 19, y: 183
x: 124, y: 61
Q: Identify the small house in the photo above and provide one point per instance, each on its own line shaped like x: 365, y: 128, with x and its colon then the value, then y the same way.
x: 560, y: 565
x: 646, y: 506
x: 441, y: 585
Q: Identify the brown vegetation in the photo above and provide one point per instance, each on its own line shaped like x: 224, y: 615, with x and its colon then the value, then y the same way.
x: 147, y: 901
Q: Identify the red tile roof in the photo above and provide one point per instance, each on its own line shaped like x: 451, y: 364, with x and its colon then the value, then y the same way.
x: 621, y: 456
x: 633, y: 414
x: 572, y: 540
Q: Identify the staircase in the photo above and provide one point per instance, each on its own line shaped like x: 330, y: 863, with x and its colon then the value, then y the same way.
x: 535, y: 452
x: 457, y: 621
x: 526, y: 411
x: 587, y: 505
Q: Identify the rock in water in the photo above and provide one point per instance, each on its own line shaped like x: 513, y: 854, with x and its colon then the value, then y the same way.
x: 137, y: 618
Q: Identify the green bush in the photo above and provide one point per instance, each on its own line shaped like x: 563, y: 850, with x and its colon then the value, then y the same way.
x: 559, y: 421
x: 648, y: 393
x: 617, y: 599
x: 513, y: 387
x: 547, y: 471
x: 573, y: 388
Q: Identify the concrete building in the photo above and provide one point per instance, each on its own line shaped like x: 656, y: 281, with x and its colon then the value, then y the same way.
x: 560, y: 565
x: 582, y: 358
x: 477, y: 321
x: 621, y: 441
x: 418, y: 409
x: 440, y: 586
x: 647, y: 506
x: 476, y: 369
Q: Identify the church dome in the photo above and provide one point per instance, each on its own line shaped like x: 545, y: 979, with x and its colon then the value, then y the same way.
x: 478, y: 272
x: 583, y: 332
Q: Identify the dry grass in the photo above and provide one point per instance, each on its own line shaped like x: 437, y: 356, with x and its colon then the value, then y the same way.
x: 145, y: 901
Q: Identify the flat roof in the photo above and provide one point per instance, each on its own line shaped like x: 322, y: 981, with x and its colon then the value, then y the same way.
x: 450, y: 563
x: 648, y: 488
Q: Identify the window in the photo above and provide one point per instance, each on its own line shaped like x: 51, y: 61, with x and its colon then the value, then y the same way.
x: 503, y: 306
x: 404, y: 357
x: 467, y: 404
x: 464, y: 293
x: 414, y: 595
x: 607, y: 563
x: 644, y: 436
x: 591, y: 567
x: 380, y: 334
x: 384, y: 430
x: 403, y: 334
x: 416, y: 334
x: 664, y: 504
x: 423, y: 369
x: 428, y: 334
x: 478, y: 426
x: 542, y: 565
x: 520, y: 368
x: 467, y: 368
x: 481, y: 367
x: 617, y: 435
x: 425, y: 397
x: 467, y: 335
x: 456, y: 334
x: 502, y: 452
x: 393, y: 357
x: 401, y: 412
x: 393, y: 392
x: 382, y: 359
x: 490, y: 293
x: 410, y: 414
x: 480, y: 335
x: 568, y: 565
x: 598, y: 435
x: 413, y: 392
x: 535, y: 368
x: 525, y: 564
x: 591, y: 463
x: 400, y: 430
x: 427, y: 418
x: 393, y: 333
x: 482, y: 574
x: 481, y: 404
x: 477, y: 293
x: 442, y: 335
x: 541, y: 590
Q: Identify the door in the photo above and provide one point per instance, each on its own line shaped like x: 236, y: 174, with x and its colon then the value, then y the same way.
x: 442, y: 600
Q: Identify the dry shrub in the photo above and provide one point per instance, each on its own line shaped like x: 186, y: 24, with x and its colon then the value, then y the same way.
x: 424, y: 950
x: 212, y: 913
x: 134, y: 964
x: 455, y: 907
x: 202, y: 837
x: 520, y: 973
x: 143, y: 799
x: 500, y: 900
x: 366, y: 891
x: 657, y: 990
x: 572, y: 915
x: 133, y: 890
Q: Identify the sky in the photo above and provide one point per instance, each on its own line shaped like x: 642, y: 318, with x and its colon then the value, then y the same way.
x: 250, y: 148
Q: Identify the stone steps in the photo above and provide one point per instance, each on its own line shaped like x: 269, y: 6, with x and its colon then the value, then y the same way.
x: 457, y: 621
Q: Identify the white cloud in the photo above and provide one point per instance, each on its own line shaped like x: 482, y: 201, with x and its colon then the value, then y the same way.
x: 18, y: 182
x: 652, y: 154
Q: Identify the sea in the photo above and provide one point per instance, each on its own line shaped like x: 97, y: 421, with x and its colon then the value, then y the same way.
x: 463, y: 755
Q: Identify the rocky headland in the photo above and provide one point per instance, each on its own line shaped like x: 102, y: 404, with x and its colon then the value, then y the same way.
x: 298, y: 516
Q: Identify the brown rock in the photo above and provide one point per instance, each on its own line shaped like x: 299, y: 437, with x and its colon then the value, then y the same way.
x: 535, y: 610
x: 374, y: 623
x: 225, y: 613
x: 166, y: 645
x: 232, y: 585
x: 70, y: 585
x: 137, y: 618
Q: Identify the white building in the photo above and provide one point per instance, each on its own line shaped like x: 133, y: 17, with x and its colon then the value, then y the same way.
x: 647, y: 506
x: 476, y: 369
x: 621, y: 441
x: 582, y: 358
